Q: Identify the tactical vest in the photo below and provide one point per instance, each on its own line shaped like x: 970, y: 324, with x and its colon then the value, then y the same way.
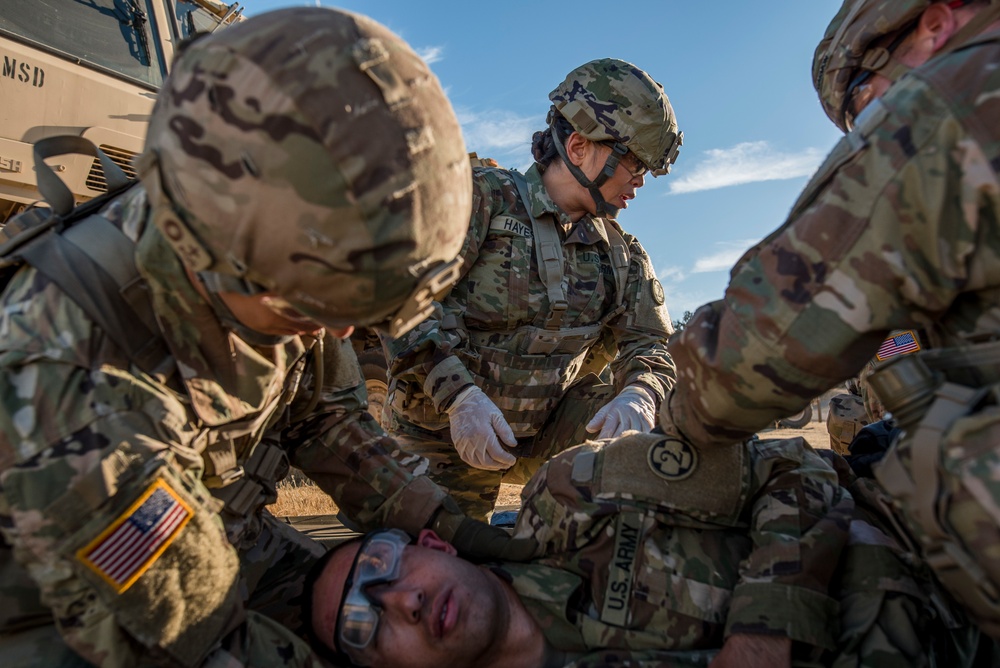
x: 526, y: 371
x: 92, y: 261
x: 928, y: 393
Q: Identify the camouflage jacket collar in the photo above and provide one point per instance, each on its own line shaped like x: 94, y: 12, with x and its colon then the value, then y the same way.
x: 225, y: 377
x: 545, y: 593
x: 587, y: 231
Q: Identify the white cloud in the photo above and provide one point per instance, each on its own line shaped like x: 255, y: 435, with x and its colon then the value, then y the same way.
x: 671, y: 275
x: 431, y: 54
x: 747, y: 162
x: 493, y: 131
x: 724, y: 259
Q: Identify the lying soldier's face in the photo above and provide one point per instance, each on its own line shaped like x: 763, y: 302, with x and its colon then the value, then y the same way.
x: 408, y: 604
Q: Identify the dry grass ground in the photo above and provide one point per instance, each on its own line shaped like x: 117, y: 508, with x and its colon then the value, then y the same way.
x: 296, y: 500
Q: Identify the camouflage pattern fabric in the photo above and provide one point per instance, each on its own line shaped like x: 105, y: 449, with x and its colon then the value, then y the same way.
x: 612, y: 100
x: 89, y: 443
x: 846, y: 418
x: 639, y: 565
x: 914, y: 196
x: 874, y: 410
x: 483, y: 332
x: 845, y: 48
x: 312, y: 152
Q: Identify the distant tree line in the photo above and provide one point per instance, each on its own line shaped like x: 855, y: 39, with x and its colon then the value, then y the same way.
x: 682, y: 323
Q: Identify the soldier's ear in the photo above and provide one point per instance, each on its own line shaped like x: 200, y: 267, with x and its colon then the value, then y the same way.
x: 432, y: 541
x: 578, y: 148
x: 937, y: 23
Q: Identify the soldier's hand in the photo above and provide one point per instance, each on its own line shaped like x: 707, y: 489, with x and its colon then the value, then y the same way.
x: 634, y: 408
x: 478, y: 541
x: 742, y: 650
x: 477, y: 429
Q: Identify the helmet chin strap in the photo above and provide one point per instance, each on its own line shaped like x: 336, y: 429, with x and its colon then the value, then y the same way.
x: 610, y: 165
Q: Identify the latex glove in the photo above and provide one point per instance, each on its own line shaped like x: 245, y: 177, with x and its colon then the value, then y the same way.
x: 633, y: 408
x: 477, y: 429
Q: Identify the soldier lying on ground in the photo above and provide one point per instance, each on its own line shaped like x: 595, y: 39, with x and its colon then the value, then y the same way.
x: 757, y: 556
x: 303, y: 172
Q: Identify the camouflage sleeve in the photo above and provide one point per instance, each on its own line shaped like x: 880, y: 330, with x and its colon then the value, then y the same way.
x: 102, y: 502
x: 424, y: 357
x: 798, y: 517
x: 345, y: 451
x: 650, y: 658
x: 641, y: 332
x: 888, y: 233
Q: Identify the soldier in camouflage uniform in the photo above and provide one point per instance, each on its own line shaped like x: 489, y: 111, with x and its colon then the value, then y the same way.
x: 859, y: 406
x: 552, y: 292
x: 759, y: 551
x: 303, y: 170
x: 898, y: 229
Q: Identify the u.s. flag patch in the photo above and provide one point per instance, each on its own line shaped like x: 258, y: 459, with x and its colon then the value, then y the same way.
x: 898, y: 344
x: 133, y: 542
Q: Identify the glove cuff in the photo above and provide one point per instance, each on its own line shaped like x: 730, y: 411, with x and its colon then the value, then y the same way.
x: 461, y: 397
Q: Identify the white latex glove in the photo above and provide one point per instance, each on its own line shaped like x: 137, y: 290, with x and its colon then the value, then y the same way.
x: 633, y: 408
x: 477, y: 428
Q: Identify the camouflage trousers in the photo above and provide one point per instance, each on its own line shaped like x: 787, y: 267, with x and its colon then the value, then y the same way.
x: 476, y: 490
x: 272, y: 575
x: 944, y: 476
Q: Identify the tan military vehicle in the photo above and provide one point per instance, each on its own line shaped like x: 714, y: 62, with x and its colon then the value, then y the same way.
x: 90, y: 68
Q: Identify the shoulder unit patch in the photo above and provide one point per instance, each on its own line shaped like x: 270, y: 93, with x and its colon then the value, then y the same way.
x: 672, y: 459
x: 134, y: 541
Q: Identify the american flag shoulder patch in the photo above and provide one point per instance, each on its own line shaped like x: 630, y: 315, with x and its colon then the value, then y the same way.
x: 134, y: 541
x: 900, y: 343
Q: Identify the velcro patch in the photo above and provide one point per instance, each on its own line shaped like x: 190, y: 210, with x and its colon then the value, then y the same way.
x: 621, y: 570
x: 134, y: 541
x: 900, y: 343
x: 509, y: 225
x: 706, y: 484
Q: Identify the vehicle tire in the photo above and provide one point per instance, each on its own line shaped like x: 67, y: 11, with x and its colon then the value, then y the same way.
x: 374, y: 369
x: 798, y: 420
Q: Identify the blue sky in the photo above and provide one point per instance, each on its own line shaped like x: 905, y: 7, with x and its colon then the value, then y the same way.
x: 736, y: 72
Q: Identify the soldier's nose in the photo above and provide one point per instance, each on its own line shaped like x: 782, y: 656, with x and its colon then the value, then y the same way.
x: 407, y: 602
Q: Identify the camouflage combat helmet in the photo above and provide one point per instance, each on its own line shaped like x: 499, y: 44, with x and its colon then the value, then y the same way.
x: 611, y: 101
x: 845, y: 53
x: 310, y: 152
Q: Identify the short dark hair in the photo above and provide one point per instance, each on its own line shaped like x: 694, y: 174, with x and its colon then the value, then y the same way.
x: 319, y: 645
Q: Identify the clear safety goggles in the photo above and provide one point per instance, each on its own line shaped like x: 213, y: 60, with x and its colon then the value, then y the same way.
x: 377, y: 562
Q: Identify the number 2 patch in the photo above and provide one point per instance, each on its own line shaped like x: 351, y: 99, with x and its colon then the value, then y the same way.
x: 672, y: 459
